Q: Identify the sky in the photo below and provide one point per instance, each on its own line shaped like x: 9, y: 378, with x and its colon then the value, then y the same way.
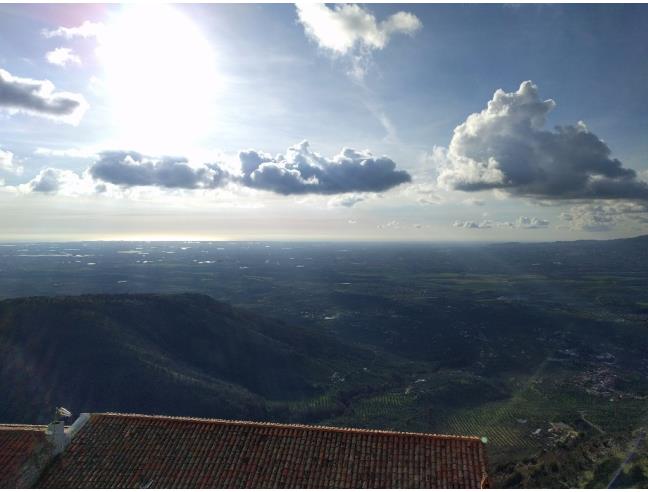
x: 388, y: 122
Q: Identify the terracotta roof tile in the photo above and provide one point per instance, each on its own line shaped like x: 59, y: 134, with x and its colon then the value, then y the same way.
x: 21, y: 452
x: 118, y: 450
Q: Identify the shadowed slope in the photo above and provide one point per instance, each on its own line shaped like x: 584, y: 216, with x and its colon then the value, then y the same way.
x: 175, y: 354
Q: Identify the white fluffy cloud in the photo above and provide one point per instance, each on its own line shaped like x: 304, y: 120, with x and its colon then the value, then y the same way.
x: 39, y: 97
x: 531, y: 223
x: 87, y: 29
x: 6, y: 160
x: 504, y: 147
x: 61, y: 182
x: 469, y: 224
x: 62, y: 57
x: 344, y: 27
x: 8, y: 164
x: 605, y: 215
x: 519, y: 223
x: 353, y: 31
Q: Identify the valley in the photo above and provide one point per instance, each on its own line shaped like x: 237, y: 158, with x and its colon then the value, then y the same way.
x: 544, y: 354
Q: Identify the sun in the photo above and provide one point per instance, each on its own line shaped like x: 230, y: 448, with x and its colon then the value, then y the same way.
x: 160, y: 73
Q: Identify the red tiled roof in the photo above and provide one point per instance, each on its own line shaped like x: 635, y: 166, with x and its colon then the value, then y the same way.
x: 116, y: 450
x: 20, y: 447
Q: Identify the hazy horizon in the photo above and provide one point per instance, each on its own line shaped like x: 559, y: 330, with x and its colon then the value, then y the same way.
x: 431, y: 242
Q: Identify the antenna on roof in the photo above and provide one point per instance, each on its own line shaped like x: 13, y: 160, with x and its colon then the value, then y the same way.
x: 62, y: 413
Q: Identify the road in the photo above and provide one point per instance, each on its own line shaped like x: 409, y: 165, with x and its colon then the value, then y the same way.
x: 630, y: 457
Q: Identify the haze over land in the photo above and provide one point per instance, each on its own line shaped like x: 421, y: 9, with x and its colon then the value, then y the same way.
x: 347, y: 122
x: 539, y: 347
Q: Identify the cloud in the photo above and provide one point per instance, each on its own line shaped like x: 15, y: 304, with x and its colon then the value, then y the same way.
x: 62, y: 57
x: 430, y: 200
x: 47, y: 181
x: 86, y: 30
x: 353, y: 31
x: 80, y: 153
x: 38, y: 97
x: 475, y: 202
x: 423, y: 191
x: 303, y: 171
x: 643, y: 175
x: 391, y: 132
x: 506, y: 148
x: 605, y: 215
x: 7, y: 163
x: 347, y: 200
x: 6, y: 160
x: 469, y: 224
x: 531, y: 223
x: 520, y: 223
x: 133, y: 169
x: 354, y: 175
x: 392, y: 224
x: 344, y: 27
x: 62, y: 182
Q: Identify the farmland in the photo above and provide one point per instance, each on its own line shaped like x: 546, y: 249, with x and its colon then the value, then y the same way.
x: 540, y: 348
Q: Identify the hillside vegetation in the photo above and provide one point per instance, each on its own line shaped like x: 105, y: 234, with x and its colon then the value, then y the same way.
x: 171, y: 354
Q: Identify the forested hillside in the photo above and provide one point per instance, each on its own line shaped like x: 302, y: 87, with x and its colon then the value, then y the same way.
x: 170, y: 354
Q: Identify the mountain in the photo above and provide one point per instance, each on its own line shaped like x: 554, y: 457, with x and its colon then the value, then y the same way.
x: 183, y: 354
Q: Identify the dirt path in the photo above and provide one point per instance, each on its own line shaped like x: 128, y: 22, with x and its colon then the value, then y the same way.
x: 631, y: 455
x: 590, y: 423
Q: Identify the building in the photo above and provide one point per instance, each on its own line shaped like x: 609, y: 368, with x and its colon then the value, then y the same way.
x: 24, y: 453
x: 105, y: 450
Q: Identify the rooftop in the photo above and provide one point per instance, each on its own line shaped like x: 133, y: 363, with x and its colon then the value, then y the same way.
x: 21, y: 448
x: 124, y: 450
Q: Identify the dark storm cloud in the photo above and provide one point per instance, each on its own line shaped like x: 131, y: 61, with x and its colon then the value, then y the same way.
x: 505, y: 147
x: 303, y: 171
x: 39, y: 97
x: 134, y: 169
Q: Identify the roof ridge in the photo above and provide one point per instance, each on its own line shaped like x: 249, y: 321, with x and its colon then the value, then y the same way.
x: 23, y: 427
x: 290, y: 426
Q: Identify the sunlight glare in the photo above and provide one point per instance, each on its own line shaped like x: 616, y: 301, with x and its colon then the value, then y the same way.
x: 161, y: 74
